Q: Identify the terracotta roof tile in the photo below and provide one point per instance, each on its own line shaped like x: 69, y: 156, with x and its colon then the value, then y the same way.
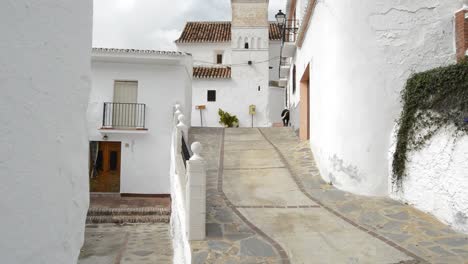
x: 275, y: 32
x: 196, y: 32
x: 212, y: 72
x: 138, y: 51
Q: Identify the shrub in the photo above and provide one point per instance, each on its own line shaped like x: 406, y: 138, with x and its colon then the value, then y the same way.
x: 227, y: 119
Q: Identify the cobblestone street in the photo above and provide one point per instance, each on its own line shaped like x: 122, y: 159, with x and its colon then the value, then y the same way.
x: 127, y: 244
x: 266, y: 203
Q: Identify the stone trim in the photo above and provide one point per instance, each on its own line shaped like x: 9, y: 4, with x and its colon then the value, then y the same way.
x: 276, y: 206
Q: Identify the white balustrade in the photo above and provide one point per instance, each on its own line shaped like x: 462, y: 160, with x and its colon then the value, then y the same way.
x: 191, y: 180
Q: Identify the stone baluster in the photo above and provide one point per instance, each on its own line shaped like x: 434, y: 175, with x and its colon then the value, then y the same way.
x: 182, y: 126
x: 196, y: 194
x: 177, y: 113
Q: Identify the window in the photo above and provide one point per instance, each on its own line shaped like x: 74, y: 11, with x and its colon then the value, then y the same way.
x: 211, y: 95
x: 125, y: 91
x: 219, y: 58
x: 294, y: 80
x: 246, y: 45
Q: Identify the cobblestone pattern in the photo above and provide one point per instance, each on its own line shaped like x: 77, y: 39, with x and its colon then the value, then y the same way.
x: 128, y: 243
x: 399, y: 225
x: 229, y: 239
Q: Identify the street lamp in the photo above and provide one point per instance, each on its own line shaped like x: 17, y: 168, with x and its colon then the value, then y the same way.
x: 281, y: 18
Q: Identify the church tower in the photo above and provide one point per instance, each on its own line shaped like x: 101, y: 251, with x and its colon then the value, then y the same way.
x: 250, y: 57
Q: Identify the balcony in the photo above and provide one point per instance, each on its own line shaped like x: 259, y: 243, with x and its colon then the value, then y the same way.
x: 290, y: 37
x: 124, y: 117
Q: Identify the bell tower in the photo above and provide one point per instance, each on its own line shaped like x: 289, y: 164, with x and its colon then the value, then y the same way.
x: 250, y: 55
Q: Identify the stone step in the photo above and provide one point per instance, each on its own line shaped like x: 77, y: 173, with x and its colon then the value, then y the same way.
x: 122, y: 219
x: 138, y: 211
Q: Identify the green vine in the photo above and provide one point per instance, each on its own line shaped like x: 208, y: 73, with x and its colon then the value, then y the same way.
x: 431, y: 100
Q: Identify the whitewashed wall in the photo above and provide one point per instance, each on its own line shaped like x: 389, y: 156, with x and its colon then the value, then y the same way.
x: 144, y: 158
x: 274, y: 50
x: 436, y: 178
x: 225, y: 94
x: 45, y: 80
x: 276, y: 104
x: 361, y: 56
x: 205, y: 53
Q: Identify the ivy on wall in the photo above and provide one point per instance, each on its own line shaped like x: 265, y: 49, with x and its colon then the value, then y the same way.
x: 431, y: 100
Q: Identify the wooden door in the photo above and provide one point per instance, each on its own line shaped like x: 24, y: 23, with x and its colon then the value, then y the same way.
x: 110, y: 156
x: 107, y: 166
x: 304, y: 133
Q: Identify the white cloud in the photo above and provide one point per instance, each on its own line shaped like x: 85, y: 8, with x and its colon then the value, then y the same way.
x: 155, y: 24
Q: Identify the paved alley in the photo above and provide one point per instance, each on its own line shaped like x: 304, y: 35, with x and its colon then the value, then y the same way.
x: 266, y: 203
x: 133, y: 230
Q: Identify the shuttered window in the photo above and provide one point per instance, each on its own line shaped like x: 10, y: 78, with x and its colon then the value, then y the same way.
x: 125, y: 92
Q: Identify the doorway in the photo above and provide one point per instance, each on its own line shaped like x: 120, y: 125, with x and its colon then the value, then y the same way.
x: 104, y: 168
x: 304, y: 133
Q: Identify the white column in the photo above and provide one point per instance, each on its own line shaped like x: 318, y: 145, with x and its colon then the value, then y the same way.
x: 196, y: 194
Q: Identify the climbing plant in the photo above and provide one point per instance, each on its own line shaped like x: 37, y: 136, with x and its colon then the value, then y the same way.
x: 227, y: 119
x: 431, y: 100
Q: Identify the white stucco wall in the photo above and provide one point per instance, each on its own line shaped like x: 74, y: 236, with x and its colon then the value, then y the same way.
x: 225, y: 95
x: 274, y: 50
x: 360, y: 57
x: 205, y: 53
x: 45, y: 81
x: 436, y: 178
x: 276, y: 104
x: 236, y: 94
x: 145, y: 158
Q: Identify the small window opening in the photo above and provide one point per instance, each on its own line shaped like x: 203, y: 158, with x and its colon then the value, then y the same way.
x: 211, y: 95
x: 246, y: 45
x: 294, y: 80
x: 219, y: 58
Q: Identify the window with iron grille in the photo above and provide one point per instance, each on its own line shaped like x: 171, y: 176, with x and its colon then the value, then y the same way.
x: 211, y: 95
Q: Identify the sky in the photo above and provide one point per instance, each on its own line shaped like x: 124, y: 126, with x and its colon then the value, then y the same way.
x: 155, y: 24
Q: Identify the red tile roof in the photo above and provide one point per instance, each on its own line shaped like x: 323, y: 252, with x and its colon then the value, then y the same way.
x: 196, y: 32
x: 212, y: 72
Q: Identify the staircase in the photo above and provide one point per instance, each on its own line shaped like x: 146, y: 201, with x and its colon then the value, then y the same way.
x: 106, y: 209
x: 128, y: 215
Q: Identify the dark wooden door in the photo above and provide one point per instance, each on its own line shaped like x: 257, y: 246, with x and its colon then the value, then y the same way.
x: 108, y: 168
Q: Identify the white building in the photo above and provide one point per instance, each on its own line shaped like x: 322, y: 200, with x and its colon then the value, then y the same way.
x: 130, y: 117
x: 236, y: 65
x: 348, y: 64
x: 45, y: 80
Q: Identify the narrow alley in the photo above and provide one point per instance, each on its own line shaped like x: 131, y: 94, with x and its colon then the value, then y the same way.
x: 266, y: 203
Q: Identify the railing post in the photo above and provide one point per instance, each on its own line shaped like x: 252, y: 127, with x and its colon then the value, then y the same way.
x: 182, y: 126
x: 196, y: 194
x: 104, y: 115
x: 177, y: 113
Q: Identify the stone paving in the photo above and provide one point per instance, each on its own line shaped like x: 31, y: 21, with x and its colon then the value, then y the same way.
x: 128, y: 243
x: 268, y: 204
x: 229, y: 239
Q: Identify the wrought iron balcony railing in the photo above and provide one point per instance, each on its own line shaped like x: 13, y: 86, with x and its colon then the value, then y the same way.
x: 124, y: 116
x: 290, y: 30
